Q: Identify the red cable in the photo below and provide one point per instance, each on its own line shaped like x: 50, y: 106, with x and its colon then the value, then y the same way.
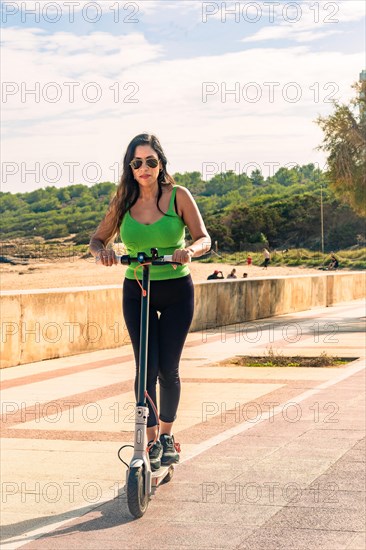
x: 136, y: 277
x: 174, y: 266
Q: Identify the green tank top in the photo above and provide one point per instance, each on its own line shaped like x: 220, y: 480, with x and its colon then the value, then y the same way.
x: 166, y: 234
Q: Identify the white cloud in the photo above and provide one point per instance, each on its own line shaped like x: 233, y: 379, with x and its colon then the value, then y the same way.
x: 288, y: 32
x: 305, y: 21
x: 350, y: 10
x: 169, y: 102
x: 66, y: 5
x: 90, y: 8
x: 50, y: 51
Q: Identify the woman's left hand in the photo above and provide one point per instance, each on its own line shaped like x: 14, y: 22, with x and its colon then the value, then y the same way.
x: 182, y: 255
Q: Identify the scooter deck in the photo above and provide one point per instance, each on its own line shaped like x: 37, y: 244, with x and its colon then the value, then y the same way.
x: 159, y: 475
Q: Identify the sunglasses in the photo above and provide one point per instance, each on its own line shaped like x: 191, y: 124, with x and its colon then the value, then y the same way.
x: 137, y: 163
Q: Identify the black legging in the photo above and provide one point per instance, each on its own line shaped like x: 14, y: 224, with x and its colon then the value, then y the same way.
x: 174, y: 299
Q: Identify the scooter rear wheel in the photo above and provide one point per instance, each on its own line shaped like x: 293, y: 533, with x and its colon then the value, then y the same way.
x: 169, y: 475
x: 137, y: 499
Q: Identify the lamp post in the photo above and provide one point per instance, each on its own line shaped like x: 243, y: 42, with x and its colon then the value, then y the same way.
x: 362, y: 79
x: 321, y: 217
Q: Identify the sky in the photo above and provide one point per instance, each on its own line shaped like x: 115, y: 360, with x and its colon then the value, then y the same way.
x: 224, y: 85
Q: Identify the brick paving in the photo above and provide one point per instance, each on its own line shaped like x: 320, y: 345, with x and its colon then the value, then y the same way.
x: 272, y: 458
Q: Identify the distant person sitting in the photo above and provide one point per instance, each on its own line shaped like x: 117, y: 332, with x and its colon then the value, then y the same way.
x: 334, y: 264
x: 267, y: 258
x: 215, y: 275
x: 245, y: 275
x: 232, y: 274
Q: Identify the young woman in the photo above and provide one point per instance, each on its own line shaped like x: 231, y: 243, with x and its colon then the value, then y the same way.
x: 149, y: 210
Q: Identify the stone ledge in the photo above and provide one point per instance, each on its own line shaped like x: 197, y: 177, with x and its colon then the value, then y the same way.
x: 45, y: 324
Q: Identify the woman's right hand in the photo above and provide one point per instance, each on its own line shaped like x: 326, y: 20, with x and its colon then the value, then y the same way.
x: 106, y: 257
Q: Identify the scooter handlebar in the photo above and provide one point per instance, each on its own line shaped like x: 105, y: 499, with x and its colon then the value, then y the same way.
x: 161, y: 260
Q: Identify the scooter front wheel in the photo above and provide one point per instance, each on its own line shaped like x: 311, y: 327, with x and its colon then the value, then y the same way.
x: 137, y: 499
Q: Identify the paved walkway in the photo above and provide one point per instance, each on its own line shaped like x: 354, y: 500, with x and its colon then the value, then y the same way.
x: 272, y: 458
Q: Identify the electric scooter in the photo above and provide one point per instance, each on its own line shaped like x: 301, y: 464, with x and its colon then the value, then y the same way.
x: 140, y: 480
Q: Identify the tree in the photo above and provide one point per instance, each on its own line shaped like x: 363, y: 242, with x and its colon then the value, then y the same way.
x: 246, y: 224
x: 345, y: 144
x: 257, y: 178
x: 286, y: 177
x: 10, y: 203
x: 191, y: 180
x: 221, y: 183
x: 63, y: 194
x: 219, y: 232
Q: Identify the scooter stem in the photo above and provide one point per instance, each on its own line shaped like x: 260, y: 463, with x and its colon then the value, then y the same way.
x: 145, y: 302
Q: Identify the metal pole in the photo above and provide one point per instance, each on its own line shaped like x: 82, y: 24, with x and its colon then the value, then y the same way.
x: 321, y: 217
x: 144, y: 336
x: 362, y: 98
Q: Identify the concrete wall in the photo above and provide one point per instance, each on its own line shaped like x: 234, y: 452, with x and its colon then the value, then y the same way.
x: 232, y: 301
x: 343, y: 287
x: 45, y: 324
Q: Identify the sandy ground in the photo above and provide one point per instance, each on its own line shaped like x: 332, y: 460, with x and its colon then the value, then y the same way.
x: 84, y: 272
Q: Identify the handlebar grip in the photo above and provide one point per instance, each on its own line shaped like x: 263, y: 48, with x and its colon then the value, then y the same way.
x: 124, y: 260
x: 168, y: 259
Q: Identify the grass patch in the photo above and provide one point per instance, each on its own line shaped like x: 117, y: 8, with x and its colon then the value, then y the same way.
x: 276, y: 359
x: 296, y: 257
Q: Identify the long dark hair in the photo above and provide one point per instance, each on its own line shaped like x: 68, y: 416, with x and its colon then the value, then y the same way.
x: 128, y: 189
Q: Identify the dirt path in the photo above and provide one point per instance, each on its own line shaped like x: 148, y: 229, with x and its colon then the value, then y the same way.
x: 82, y: 272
